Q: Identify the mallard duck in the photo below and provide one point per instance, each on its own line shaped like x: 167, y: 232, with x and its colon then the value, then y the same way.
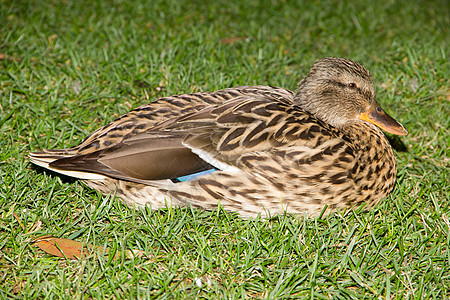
x: 252, y: 149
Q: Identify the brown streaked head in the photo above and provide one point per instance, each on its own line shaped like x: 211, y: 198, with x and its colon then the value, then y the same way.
x: 338, y: 90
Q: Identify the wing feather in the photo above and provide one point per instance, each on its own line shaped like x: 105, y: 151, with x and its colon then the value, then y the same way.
x: 145, y: 157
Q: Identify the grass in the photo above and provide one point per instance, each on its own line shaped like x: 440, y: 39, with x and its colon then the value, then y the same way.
x: 68, y: 67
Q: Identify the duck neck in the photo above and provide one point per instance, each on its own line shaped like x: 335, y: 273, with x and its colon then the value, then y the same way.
x: 368, y: 138
x: 375, y: 158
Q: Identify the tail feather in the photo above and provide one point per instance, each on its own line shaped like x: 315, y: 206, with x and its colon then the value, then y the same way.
x: 46, y: 157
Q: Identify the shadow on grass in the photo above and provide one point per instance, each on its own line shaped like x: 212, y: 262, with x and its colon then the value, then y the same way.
x: 397, y: 143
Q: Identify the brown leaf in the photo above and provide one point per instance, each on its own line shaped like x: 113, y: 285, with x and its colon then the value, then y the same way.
x: 64, y: 247
x: 75, y: 250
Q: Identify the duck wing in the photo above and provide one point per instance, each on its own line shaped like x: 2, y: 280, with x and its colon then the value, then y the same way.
x: 235, y: 135
x: 143, y: 158
x: 166, y: 151
x: 136, y: 130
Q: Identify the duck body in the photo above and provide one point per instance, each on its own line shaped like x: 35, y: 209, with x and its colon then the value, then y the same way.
x: 253, y: 149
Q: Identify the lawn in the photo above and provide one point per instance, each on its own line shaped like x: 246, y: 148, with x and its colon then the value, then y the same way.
x: 69, y: 67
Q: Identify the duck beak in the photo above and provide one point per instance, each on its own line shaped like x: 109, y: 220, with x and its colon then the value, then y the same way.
x: 377, y: 116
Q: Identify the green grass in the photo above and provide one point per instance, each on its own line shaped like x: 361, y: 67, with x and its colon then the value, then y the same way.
x: 68, y: 67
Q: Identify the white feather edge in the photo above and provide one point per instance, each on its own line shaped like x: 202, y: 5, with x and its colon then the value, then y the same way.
x: 206, y: 156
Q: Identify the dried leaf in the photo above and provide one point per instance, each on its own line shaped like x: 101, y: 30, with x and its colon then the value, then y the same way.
x: 75, y: 250
x: 65, y: 248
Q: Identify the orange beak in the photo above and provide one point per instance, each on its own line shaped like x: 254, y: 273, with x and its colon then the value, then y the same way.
x: 377, y: 116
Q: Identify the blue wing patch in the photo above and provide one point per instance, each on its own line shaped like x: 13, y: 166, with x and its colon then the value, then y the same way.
x: 193, y: 176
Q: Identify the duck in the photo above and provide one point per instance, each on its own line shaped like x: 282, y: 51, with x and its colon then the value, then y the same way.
x: 253, y: 150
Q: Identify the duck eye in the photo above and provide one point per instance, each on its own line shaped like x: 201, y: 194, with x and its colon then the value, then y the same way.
x: 352, y: 85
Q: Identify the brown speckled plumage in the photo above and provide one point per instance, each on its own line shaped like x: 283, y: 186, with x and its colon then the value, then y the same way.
x: 274, y: 150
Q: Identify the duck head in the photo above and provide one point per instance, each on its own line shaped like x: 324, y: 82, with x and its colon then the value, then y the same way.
x: 338, y: 90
